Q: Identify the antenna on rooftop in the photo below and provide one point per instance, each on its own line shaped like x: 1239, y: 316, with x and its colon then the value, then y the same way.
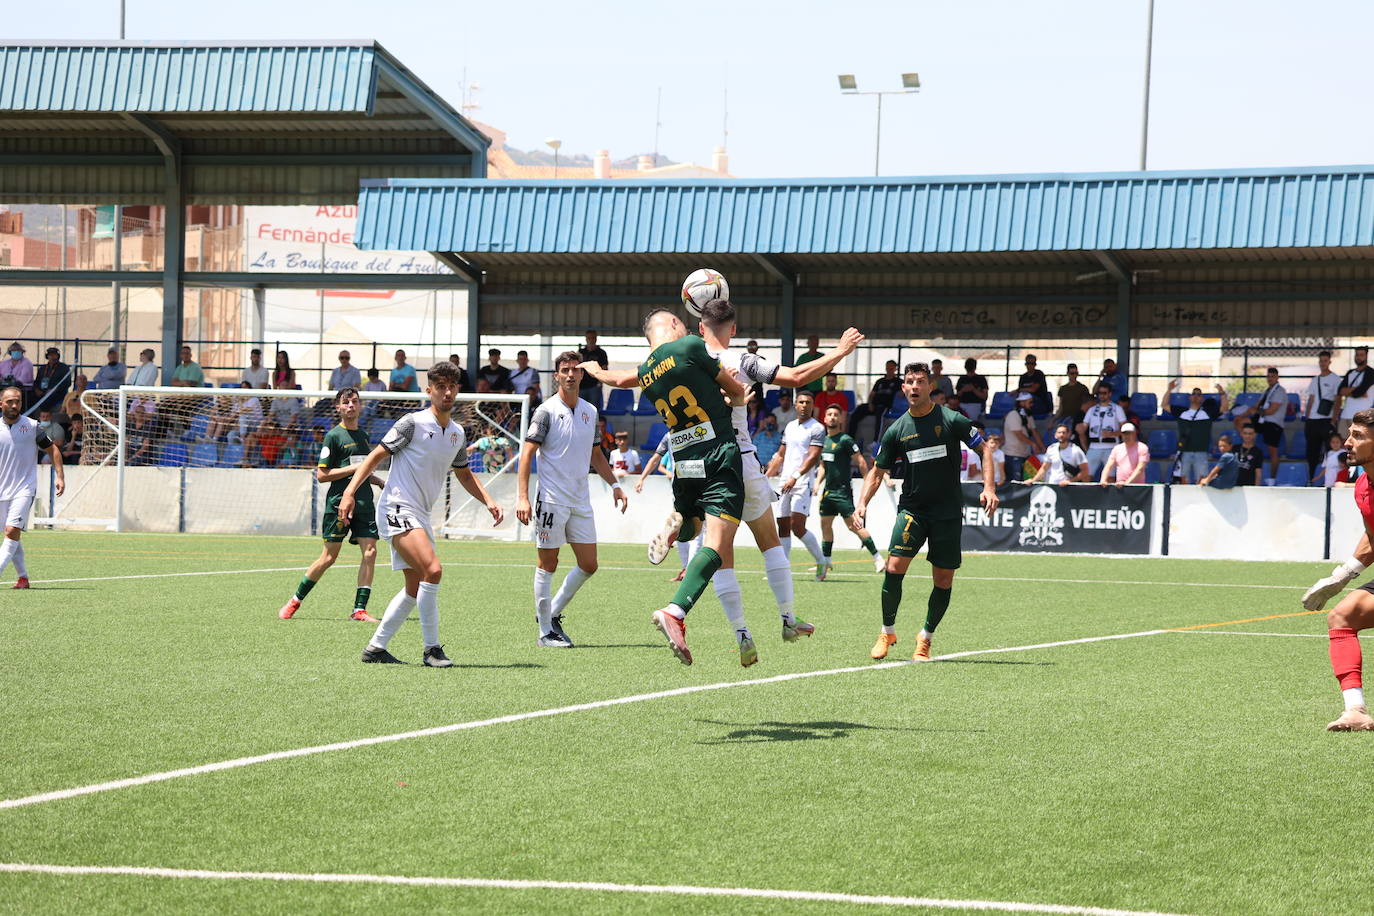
x: 725, y: 110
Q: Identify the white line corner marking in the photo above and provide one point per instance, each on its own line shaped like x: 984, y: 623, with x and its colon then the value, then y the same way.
x: 165, y: 775
x: 596, y: 886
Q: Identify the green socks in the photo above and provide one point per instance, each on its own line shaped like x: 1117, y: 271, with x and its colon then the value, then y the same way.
x: 360, y: 601
x: 935, y: 609
x: 826, y: 547
x: 304, y: 588
x: 870, y: 546
x: 892, y: 597
x: 703, y: 566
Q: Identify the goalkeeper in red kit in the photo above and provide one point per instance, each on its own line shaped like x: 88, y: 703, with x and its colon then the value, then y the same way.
x: 1355, y: 611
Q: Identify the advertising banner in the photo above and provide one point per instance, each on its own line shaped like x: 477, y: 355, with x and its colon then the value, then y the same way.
x: 1083, y: 518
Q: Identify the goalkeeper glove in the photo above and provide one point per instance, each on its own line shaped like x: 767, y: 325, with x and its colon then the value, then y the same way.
x: 1324, y: 589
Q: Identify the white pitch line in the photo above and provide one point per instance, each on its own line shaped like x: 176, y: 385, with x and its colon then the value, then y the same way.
x: 238, y: 762
x: 1252, y: 633
x: 684, y: 890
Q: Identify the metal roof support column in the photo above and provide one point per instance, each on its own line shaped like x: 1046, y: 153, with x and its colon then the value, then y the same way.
x: 787, y: 317
x: 472, y: 273
x: 1124, y: 301
x: 173, y: 239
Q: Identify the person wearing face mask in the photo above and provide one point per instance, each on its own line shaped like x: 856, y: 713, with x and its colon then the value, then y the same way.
x: 17, y: 370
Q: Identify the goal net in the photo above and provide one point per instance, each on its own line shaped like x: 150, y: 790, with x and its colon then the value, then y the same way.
x: 241, y: 461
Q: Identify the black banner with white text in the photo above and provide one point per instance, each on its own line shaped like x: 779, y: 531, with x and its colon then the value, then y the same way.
x: 1081, y: 518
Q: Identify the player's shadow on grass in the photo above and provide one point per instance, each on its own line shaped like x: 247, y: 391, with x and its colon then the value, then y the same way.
x: 623, y: 645
x: 820, y: 730
x: 511, y: 665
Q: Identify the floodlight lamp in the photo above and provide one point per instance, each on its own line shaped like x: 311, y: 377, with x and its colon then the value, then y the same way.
x: 553, y: 143
x: 848, y: 83
x: 911, y: 81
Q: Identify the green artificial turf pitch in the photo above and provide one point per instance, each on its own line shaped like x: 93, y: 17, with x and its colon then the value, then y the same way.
x: 1177, y: 772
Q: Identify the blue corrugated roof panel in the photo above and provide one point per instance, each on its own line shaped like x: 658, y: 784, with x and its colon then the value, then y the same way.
x: 186, y: 78
x: 1262, y: 208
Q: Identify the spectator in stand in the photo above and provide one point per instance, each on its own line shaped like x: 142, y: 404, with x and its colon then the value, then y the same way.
x: 880, y: 397
x: 374, y: 380
x: 71, y: 452
x: 256, y: 374
x: 1195, y: 433
x: 973, y: 462
x: 187, y: 373
x: 497, y: 375
x: 535, y: 397
x: 267, y: 443
x: 71, y: 404
x: 1064, y: 463
x: 145, y: 373
x: 221, y: 420
x: 1034, y: 381
x: 139, y: 440
x: 784, y: 413
x: 754, y: 412
x: 941, y: 382
x: 937, y: 397
x: 1073, y: 397
x: 403, y: 375
x: 464, y: 380
x: 972, y: 390
x: 832, y: 396
x: 1318, y: 410
x: 1268, y: 414
x: 1128, y: 410
x: 286, y: 412
x: 52, y: 429
x: 525, y: 376
x: 1356, y: 394
x: 767, y: 439
x: 483, y: 386
x: 1249, y: 458
x: 112, y: 374
x: 1115, y: 380
x: 1099, y: 431
x: 625, y: 459
x: 1128, y: 459
x: 589, y: 389
x: 813, y: 351
x: 247, y: 416
x: 604, y: 439
x: 283, y: 376
x: 756, y: 388
x: 1022, y: 439
x: 345, y: 374
x: 1227, y: 471
x: 1332, y: 463
x: 17, y: 370
x: 51, y: 381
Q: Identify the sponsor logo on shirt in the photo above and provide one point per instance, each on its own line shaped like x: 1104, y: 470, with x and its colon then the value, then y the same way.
x: 702, y: 432
x: 930, y: 453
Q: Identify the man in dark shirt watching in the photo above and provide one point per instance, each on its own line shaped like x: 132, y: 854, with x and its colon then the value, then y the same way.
x: 590, y: 389
x: 1033, y: 380
x: 1251, y: 459
x: 880, y: 397
x: 972, y: 390
x: 497, y: 375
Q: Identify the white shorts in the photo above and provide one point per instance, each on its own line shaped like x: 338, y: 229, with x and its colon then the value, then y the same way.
x: 555, y: 526
x: 393, y: 520
x: 15, y: 511
x: 758, y: 491
x: 796, y: 501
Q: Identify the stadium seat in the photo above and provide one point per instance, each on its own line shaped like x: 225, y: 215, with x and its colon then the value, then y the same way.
x: 230, y: 385
x: 377, y: 428
x: 1155, y: 471
x: 1178, y: 402
x: 610, y: 427
x: 1163, y: 442
x: 232, y: 456
x: 899, y: 406
x: 1144, y: 405
x: 1291, y: 474
x: 770, y: 398
x: 204, y: 455
x: 1297, y: 444
x: 196, y: 429
x: 851, y: 398
x: 1294, y: 407
x: 1245, y: 399
x: 173, y: 455
x: 1002, y: 404
x: 619, y: 402
x: 323, y: 422
x: 656, y: 432
x: 645, y: 408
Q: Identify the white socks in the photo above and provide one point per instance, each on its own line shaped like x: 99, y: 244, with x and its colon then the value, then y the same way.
x: 814, y: 546
x: 779, y: 573
x: 428, y: 603
x: 1354, y: 696
x: 7, y: 552
x: 890, y: 631
x: 543, y: 600
x: 569, y: 588
x: 684, y: 552
x: 727, y: 590
x: 396, y: 613
x: 20, y: 567
x: 786, y: 541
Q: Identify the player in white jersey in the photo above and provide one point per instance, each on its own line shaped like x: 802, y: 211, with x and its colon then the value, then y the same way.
x: 21, y: 440
x: 797, y: 457
x: 423, y: 447
x: 718, y: 327
x: 563, y: 432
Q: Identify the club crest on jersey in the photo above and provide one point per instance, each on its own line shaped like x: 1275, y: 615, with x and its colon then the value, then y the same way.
x: 937, y: 431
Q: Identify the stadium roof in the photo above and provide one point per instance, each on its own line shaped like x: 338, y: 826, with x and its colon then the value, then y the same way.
x: 253, y: 122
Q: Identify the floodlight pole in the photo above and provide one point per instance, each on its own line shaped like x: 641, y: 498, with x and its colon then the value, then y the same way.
x: 1145, y: 114
x: 878, y: 140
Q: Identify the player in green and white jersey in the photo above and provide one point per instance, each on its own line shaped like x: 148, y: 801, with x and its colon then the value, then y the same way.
x: 685, y: 383
x: 926, y: 440
x: 834, y: 482
x: 345, y: 447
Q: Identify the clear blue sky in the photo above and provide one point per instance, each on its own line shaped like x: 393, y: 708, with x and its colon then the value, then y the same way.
x: 1008, y: 86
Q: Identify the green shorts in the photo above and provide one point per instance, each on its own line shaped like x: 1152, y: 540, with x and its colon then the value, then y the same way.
x: 945, y: 535
x: 363, y: 524
x: 837, y: 502
x: 711, y: 483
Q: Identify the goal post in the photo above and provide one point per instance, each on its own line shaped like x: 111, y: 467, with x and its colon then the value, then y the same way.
x: 236, y: 460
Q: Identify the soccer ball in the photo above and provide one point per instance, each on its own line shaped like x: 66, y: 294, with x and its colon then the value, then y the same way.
x: 700, y: 287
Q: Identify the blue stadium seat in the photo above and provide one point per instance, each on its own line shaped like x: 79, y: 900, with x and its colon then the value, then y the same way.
x: 1294, y: 407
x: 1002, y: 404
x: 1246, y: 399
x: 1297, y: 444
x: 1163, y: 443
x: 323, y: 422
x: 770, y: 398
x: 619, y: 402
x: 1156, y: 471
x: 899, y: 406
x: 1291, y: 474
x: 173, y: 455
x: 1178, y: 402
x: 230, y: 385
x: 204, y: 455
x: 645, y: 408
x: 377, y: 428
x: 851, y: 398
x: 1144, y: 405
x: 656, y: 432
x: 196, y: 429
x: 232, y: 456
